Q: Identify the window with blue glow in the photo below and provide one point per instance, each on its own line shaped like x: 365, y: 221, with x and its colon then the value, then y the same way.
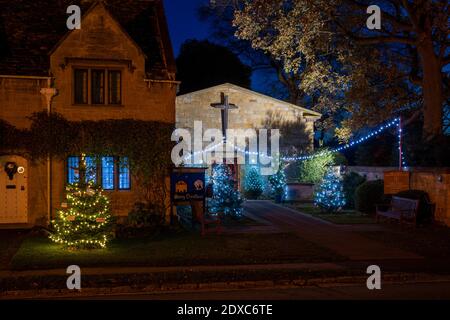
x: 112, y: 173
x: 108, y: 173
x: 73, y: 173
x: 91, y: 170
x: 124, y: 174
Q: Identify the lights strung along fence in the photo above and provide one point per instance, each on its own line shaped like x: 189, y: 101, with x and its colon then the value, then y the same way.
x: 391, y: 124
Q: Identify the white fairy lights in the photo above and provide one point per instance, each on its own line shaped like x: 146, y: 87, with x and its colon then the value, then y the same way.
x: 391, y: 124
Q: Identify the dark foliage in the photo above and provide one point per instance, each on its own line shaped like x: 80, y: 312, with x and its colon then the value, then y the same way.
x: 351, y: 182
x: 144, y: 219
x: 202, y: 64
x: 146, y: 215
x: 425, y: 211
x: 368, y: 195
x: 432, y: 153
x: 381, y: 151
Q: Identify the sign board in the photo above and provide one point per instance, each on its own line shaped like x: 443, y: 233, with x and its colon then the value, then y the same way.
x: 396, y: 181
x: 187, y: 184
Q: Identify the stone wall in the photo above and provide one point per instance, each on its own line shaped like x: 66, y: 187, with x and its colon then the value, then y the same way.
x: 437, y: 184
x: 19, y: 98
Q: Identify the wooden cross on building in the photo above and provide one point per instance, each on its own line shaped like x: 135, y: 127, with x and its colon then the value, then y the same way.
x: 224, y: 106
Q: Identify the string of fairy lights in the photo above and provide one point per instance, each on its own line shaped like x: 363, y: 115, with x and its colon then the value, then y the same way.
x: 84, y: 218
x: 380, y: 129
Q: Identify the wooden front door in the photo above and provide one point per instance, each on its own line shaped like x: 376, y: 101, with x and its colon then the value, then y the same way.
x: 13, y: 189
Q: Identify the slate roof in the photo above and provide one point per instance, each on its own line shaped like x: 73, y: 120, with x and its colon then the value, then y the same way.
x: 30, y: 29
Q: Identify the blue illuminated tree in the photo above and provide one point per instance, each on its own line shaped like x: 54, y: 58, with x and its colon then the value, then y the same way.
x: 253, y: 183
x: 226, y: 199
x: 278, y: 185
x: 329, y: 195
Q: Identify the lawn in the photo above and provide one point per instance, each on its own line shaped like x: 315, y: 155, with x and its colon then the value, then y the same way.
x: 341, y: 217
x: 431, y: 241
x: 10, y: 241
x: 176, y: 249
x: 228, y: 222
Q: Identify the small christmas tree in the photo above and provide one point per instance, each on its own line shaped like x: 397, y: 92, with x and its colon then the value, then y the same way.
x: 329, y: 196
x: 253, y: 183
x: 85, y: 220
x: 226, y: 199
x: 278, y: 185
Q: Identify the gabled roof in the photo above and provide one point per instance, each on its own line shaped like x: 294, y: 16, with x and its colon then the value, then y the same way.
x: 306, y: 112
x: 30, y: 29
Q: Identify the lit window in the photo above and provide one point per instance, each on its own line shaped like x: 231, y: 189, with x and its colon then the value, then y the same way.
x: 124, y: 174
x: 73, y: 173
x: 91, y: 170
x: 112, y: 173
x: 108, y: 173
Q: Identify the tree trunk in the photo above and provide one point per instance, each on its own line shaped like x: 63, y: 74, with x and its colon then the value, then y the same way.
x: 432, y: 90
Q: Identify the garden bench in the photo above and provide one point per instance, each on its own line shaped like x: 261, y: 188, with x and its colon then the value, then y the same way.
x: 402, y: 209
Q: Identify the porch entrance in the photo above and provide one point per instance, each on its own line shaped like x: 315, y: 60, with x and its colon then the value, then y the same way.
x: 13, y: 189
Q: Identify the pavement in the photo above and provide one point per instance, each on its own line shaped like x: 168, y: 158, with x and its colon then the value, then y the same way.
x: 344, y: 240
x: 179, y: 269
x: 391, y: 291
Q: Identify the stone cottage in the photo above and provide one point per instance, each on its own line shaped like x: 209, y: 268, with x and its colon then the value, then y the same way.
x: 119, y: 65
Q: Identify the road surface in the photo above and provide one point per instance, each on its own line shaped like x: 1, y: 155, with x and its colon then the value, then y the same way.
x: 409, y: 291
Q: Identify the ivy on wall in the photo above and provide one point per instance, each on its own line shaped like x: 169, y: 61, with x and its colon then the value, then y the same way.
x: 12, y: 138
x: 147, y: 144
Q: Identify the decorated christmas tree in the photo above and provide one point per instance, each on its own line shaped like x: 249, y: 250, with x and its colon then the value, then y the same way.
x: 226, y: 199
x: 278, y: 185
x: 330, y: 196
x: 253, y: 183
x: 84, y: 221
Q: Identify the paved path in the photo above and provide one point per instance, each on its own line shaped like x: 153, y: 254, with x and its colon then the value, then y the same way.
x: 341, y: 239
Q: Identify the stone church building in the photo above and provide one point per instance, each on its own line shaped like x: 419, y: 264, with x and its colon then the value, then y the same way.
x: 119, y: 65
x: 254, y: 111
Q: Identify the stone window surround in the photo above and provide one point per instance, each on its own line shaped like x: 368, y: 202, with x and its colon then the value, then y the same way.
x: 89, y: 68
x: 73, y: 63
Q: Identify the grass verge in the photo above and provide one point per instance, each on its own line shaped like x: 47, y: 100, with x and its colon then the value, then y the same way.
x: 342, y: 217
x: 430, y: 241
x: 179, y: 249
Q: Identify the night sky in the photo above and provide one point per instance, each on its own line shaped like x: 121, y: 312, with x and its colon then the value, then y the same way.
x: 183, y: 21
x: 184, y: 24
